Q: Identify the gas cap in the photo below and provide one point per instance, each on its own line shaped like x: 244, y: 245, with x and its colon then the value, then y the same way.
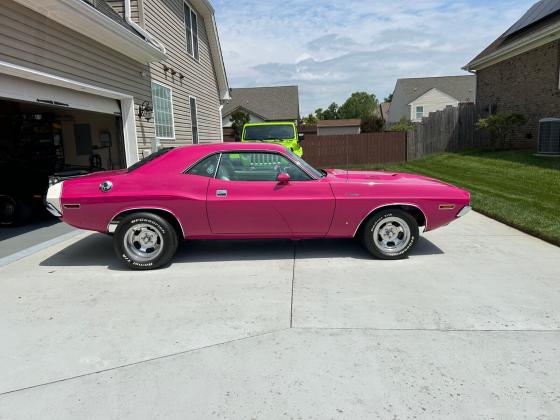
x: 106, y: 186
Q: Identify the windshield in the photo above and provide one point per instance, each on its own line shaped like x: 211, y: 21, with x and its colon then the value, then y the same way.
x: 149, y: 158
x: 306, y: 166
x: 269, y: 132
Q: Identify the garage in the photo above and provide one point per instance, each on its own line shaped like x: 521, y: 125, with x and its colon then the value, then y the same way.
x: 49, y: 130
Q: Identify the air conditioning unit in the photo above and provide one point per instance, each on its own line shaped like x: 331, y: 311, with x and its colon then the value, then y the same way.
x: 549, y: 136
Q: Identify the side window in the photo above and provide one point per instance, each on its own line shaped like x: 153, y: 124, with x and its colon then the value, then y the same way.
x: 206, y: 168
x: 257, y: 166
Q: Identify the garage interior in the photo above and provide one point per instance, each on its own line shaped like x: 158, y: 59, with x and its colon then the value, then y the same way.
x: 58, y: 133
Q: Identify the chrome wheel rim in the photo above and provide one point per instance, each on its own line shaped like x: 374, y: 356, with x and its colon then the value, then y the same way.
x: 391, y: 235
x: 144, y: 242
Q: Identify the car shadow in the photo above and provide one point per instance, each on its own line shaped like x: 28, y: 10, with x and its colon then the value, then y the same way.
x: 97, y: 250
x: 8, y: 232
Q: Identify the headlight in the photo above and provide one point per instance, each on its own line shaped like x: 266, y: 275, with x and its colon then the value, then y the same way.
x: 53, y: 180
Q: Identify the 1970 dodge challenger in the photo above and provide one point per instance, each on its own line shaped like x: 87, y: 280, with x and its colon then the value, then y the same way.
x: 238, y: 190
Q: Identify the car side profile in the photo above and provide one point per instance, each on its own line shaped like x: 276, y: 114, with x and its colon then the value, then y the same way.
x: 258, y: 190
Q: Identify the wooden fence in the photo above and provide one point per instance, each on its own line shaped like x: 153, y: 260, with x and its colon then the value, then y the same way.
x: 356, y: 149
x: 450, y: 130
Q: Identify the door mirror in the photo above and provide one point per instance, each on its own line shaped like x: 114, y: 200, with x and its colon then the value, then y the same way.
x: 301, y: 137
x: 283, y: 178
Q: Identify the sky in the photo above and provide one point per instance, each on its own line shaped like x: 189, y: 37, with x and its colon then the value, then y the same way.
x: 333, y: 48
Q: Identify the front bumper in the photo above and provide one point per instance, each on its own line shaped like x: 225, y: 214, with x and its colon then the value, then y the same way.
x: 465, y: 210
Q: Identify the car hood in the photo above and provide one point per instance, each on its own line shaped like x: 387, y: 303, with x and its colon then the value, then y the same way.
x: 379, y: 177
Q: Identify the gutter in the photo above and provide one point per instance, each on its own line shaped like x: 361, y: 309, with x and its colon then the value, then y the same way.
x: 536, y: 40
x: 145, y: 34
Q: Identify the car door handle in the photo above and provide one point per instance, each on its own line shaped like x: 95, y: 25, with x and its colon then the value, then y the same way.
x: 221, y: 193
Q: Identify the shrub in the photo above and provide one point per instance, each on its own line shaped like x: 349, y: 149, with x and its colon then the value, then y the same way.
x: 501, y: 127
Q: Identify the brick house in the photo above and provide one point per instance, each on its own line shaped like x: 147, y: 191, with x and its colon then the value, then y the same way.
x: 519, y: 72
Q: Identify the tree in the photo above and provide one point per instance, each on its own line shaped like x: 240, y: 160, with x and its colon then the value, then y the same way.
x: 310, y: 119
x: 388, y: 98
x: 501, y: 127
x: 331, y: 113
x: 360, y: 105
x: 403, y: 125
x: 238, y: 120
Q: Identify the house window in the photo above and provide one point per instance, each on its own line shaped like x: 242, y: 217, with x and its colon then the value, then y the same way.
x: 419, y: 112
x: 163, y: 111
x: 194, y: 120
x: 191, y: 28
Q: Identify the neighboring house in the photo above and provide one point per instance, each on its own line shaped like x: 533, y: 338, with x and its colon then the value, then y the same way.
x: 519, y: 72
x: 416, y: 98
x: 263, y: 104
x: 338, y: 127
x: 384, y: 108
x: 90, y: 71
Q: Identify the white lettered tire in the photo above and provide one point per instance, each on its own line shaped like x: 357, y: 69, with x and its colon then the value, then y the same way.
x: 145, y: 241
x: 390, y: 234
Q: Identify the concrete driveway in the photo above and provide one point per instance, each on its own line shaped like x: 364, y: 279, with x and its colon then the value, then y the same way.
x: 467, y: 327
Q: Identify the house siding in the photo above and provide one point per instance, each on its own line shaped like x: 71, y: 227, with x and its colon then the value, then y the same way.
x: 32, y: 40
x: 529, y: 84
x: 432, y: 101
x: 165, y: 20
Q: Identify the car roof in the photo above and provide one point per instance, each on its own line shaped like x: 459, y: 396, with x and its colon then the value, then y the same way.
x: 216, y: 147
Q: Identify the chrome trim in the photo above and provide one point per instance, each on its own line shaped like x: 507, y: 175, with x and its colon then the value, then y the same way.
x: 145, y: 209
x: 221, y: 193
x: 392, y: 205
x: 112, y: 227
x: 52, y: 209
x: 465, y: 210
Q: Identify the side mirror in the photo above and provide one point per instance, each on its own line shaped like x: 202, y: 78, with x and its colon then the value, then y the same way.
x: 283, y: 178
x: 301, y: 137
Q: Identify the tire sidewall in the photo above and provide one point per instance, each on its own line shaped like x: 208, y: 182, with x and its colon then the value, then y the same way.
x: 167, y: 232
x: 378, y: 218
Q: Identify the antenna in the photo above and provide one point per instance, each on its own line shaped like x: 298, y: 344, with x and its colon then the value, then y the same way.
x: 347, y: 157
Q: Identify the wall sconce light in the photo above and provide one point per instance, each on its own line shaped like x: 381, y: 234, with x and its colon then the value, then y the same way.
x: 181, y: 76
x: 173, y: 72
x: 165, y: 68
x: 146, y: 110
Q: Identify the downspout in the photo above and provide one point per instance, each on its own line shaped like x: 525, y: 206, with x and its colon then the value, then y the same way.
x: 139, y: 29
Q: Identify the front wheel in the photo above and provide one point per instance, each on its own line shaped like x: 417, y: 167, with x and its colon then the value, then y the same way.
x: 145, y: 241
x: 390, y: 234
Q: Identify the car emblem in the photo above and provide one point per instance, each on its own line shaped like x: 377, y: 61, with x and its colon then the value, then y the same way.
x: 106, y: 186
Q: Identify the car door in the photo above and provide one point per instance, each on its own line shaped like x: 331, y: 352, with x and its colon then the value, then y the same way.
x: 246, y: 198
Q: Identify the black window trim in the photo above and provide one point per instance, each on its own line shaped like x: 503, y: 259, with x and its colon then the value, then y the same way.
x: 221, y: 152
x: 195, y: 51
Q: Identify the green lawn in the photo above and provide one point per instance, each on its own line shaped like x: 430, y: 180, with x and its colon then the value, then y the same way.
x: 514, y: 187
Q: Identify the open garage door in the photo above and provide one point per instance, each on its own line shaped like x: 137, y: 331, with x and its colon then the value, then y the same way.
x: 35, y: 92
x: 48, y: 130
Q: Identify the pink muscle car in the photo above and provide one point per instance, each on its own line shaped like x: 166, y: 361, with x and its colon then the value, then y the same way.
x: 236, y: 190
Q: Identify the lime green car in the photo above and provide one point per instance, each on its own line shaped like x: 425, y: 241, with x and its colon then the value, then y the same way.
x: 284, y: 133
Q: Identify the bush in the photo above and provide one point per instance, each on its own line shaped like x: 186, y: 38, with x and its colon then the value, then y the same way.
x: 501, y: 127
x: 372, y: 124
x: 404, y: 124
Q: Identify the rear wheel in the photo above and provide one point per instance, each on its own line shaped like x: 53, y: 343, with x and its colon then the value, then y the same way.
x: 390, y: 234
x: 145, y: 241
x: 14, y: 211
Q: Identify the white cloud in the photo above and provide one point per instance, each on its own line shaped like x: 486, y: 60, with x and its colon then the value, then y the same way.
x: 331, y: 49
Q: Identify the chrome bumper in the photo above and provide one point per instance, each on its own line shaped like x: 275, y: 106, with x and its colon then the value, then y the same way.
x: 465, y: 210
x: 52, y: 209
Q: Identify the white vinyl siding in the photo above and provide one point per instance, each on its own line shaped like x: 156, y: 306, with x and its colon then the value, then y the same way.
x: 194, y: 119
x: 191, y: 31
x: 432, y: 101
x: 163, y: 111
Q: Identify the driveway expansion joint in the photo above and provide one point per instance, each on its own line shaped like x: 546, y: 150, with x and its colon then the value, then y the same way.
x: 141, y: 362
